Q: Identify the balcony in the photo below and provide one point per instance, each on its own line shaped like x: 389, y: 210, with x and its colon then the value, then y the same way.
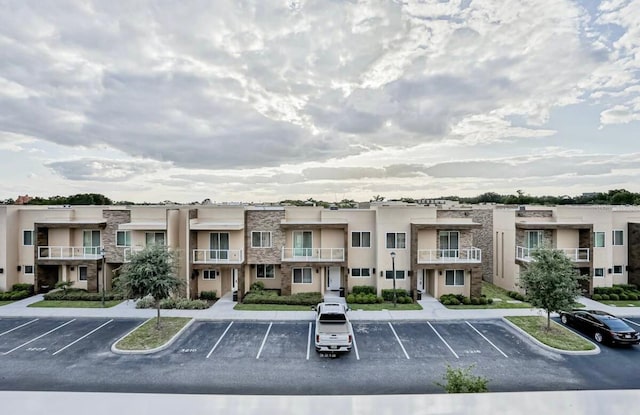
x: 574, y: 254
x: 69, y: 252
x: 217, y: 256
x: 313, y: 254
x: 450, y: 256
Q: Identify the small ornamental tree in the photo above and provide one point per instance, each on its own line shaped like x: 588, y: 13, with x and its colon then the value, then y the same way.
x: 152, y: 271
x: 550, y: 281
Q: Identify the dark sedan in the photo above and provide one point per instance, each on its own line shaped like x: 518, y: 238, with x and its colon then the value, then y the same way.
x: 602, y: 326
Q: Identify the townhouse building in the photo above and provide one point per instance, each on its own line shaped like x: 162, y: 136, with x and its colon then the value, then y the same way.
x: 427, y: 249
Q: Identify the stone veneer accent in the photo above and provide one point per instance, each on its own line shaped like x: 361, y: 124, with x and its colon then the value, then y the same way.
x: 633, y: 242
x: 113, y: 218
x: 540, y: 213
x: 267, y: 220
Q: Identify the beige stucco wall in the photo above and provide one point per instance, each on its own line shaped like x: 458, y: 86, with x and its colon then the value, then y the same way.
x: 506, y: 271
x: 315, y: 286
x: 446, y: 289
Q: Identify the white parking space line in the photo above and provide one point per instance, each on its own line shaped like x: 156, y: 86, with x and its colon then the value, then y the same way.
x: 443, y: 341
x: 309, y: 341
x: 20, y: 326
x: 355, y: 346
x: 83, y: 337
x: 400, y: 342
x: 264, y: 341
x: 39, y: 337
x: 488, y: 341
x: 219, y: 340
x: 632, y: 322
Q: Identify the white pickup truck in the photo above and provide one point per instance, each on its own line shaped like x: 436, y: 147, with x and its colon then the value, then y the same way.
x: 333, y: 329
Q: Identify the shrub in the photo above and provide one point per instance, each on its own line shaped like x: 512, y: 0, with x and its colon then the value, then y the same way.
x: 14, y: 295
x: 63, y: 285
x: 489, y: 300
x: 454, y: 301
x: 596, y: 297
x: 605, y: 296
x: 208, y: 295
x: 482, y: 301
x: 446, y: 301
x: 266, y: 297
x: 462, y: 381
x: 466, y: 301
x: 632, y: 297
x: 614, y: 297
x: 146, y: 302
x: 623, y: 297
x: 186, y: 304
x: 167, y: 303
x: 363, y: 289
x: 475, y: 300
x: 77, y: 294
x: 257, y: 286
x: 351, y: 298
x: 23, y: 287
x: 617, y: 290
x: 388, y: 294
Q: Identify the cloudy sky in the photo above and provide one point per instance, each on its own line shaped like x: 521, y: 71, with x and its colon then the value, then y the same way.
x: 268, y: 100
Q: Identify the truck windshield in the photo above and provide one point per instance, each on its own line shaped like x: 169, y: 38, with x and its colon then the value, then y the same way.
x: 332, y: 318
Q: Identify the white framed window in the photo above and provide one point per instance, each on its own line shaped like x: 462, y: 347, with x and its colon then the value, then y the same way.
x: 28, y: 269
x: 210, y: 274
x: 449, y: 243
x: 154, y: 238
x: 617, y: 269
x: 27, y: 237
x: 598, y: 239
x: 361, y: 272
x: 454, y: 277
x: 598, y: 272
x: 399, y: 275
x: 123, y: 238
x: 534, y: 239
x: 260, y: 239
x: 83, y: 271
x: 618, y: 237
x: 302, y: 276
x: 396, y: 240
x: 361, y: 239
x: 265, y: 271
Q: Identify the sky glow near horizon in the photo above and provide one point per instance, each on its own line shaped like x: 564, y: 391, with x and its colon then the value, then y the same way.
x: 271, y: 100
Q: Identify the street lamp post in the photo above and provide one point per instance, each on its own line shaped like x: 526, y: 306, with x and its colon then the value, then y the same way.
x: 393, y: 271
x: 103, y: 276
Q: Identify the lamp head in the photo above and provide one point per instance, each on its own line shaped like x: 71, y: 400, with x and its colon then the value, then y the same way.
x: 393, y: 254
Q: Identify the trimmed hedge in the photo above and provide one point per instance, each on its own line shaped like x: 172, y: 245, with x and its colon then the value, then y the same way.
x: 363, y: 289
x: 76, y: 294
x: 457, y: 299
x: 271, y: 297
x: 387, y: 294
x: 14, y: 295
x: 171, y: 303
x: 23, y: 287
x: 364, y: 299
x: 209, y: 295
x: 618, y: 292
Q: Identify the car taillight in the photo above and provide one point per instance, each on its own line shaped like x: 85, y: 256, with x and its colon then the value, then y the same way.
x: 317, y: 338
x: 350, y: 338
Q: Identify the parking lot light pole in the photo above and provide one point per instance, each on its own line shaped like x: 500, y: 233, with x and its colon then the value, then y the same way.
x: 103, y: 275
x: 393, y: 271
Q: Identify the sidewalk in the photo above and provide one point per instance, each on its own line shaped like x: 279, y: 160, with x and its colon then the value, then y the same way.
x: 223, y: 310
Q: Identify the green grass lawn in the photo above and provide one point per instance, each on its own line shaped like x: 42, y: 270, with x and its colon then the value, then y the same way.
x: 495, y: 292
x: 5, y: 303
x: 558, y: 336
x: 271, y: 307
x: 74, y: 304
x: 148, y: 337
x: 385, y: 306
x: 625, y: 303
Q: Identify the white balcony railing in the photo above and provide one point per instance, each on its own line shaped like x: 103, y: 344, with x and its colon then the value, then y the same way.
x: 313, y: 254
x: 217, y: 256
x: 574, y: 254
x: 449, y: 256
x: 69, y: 252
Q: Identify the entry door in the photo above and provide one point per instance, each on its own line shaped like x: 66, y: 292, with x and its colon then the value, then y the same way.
x: 334, y: 278
x: 234, y: 283
x: 302, y: 243
x: 421, y: 283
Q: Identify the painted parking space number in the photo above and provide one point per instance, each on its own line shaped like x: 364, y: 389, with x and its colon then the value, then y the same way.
x: 472, y: 351
x: 188, y: 350
x: 36, y: 349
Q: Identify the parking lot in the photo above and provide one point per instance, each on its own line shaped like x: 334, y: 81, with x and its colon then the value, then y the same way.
x: 279, y: 358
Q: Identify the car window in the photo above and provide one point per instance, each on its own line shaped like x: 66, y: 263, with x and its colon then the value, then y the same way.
x: 617, y: 325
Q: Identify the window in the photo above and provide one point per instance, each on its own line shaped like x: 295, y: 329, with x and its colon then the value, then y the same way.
x: 533, y: 239
x: 302, y: 276
x: 209, y: 274
x: 265, y: 271
x: 28, y: 269
x: 396, y: 240
x: 360, y: 272
x: 27, y: 237
x: 399, y: 275
x: 261, y: 239
x: 617, y: 269
x: 454, y: 277
x: 82, y: 273
x: 449, y: 243
x: 123, y: 238
x: 598, y: 239
x: 361, y: 239
x: 90, y: 239
x: 618, y: 237
x: 302, y: 243
x: 154, y: 238
x: 598, y: 272
x: 219, y: 245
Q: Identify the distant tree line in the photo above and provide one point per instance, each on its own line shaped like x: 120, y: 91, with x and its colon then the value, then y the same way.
x: 612, y: 197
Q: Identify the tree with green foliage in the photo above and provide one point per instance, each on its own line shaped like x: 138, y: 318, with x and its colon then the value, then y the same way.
x: 151, y: 272
x: 550, y: 281
x: 460, y: 380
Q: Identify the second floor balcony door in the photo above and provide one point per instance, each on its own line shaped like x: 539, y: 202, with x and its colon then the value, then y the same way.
x: 219, y: 245
x: 91, y: 242
x: 534, y: 239
x: 302, y: 243
x: 449, y: 244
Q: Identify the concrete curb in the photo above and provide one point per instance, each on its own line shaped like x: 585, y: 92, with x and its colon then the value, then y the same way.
x: 553, y: 349
x: 116, y: 350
